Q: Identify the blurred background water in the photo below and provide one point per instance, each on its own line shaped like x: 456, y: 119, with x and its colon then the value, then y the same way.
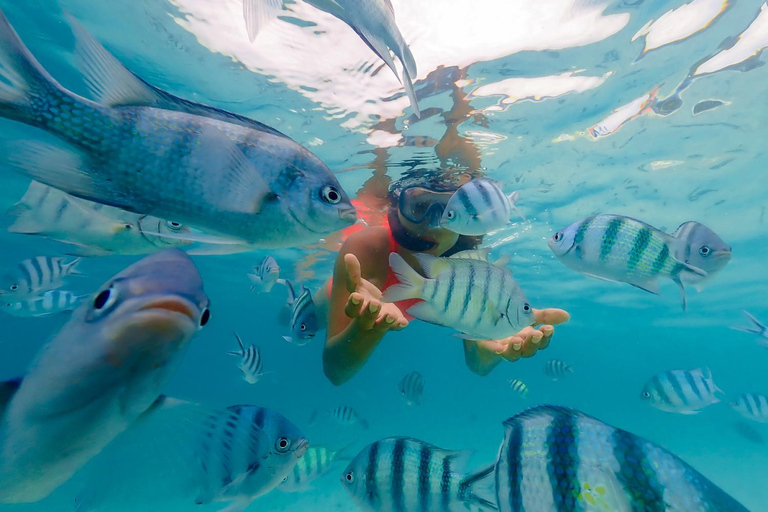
x: 565, y: 106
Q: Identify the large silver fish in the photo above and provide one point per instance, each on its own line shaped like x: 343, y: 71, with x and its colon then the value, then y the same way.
x: 702, y: 248
x: 373, y: 20
x: 99, y: 374
x: 148, y: 152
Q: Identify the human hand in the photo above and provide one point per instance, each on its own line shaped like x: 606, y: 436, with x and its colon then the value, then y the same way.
x: 364, y: 304
x: 531, y: 339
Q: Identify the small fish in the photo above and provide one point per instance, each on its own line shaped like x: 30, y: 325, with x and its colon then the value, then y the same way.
x: 752, y: 406
x: 251, y: 363
x: 265, y: 276
x: 465, y: 292
x: 49, y: 303
x: 555, y: 458
x: 757, y: 327
x: 702, y: 248
x: 304, y: 322
x: 402, y: 474
x: 479, y: 207
x: 622, y: 249
x: 412, y: 388
x: 317, y: 462
x: 344, y: 415
x: 372, y: 20
x: 681, y: 391
x: 99, y: 374
x: 519, y: 387
x: 556, y: 369
x: 35, y: 276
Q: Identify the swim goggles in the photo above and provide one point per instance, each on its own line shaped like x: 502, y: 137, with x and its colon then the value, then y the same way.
x: 417, y: 204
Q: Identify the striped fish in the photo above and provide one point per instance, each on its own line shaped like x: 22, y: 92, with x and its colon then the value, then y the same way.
x: 49, y: 303
x: 681, y: 391
x: 304, y: 322
x: 401, y: 474
x: 251, y: 363
x: 265, y: 275
x: 558, y: 459
x: 318, y: 461
x: 412, y: 388
x: 556, y: 369
x: 35, y: 276
x: 621, y: 249
x: 519, y: 387
x: 702, y: 248
x: 752, y: 406
x: 465, y: 292
x: 757, y: 327
x: 343, y: 415
x: 479, y: 207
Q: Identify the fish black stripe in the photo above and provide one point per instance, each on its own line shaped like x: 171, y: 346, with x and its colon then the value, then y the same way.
x: 486, y: 288
x: 449, y: 293
x: 582, y: 231
x: 445, y: 486
x: 610, y: 237
x: 637, y: 474
x: 677, y: 387
x: 692, y: 383
x: 425, y: 457
x: 661, y: 260
x: 483, y: 187
x: 468, y: 294
x: 260, y: 418
x: 503, y: 203
x: 563, y: 460
x: 60, y: 211
x: 398, y: 476
x: 370, y: 472
x: 466, y: 202
x: 659, y: 386
x: 514, y: 469
x: 639, y: 245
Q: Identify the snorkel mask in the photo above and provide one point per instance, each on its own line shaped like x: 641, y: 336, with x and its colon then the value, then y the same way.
x: 418, y: 204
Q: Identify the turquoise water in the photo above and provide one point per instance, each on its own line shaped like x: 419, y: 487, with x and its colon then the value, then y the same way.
x: 508, y: 88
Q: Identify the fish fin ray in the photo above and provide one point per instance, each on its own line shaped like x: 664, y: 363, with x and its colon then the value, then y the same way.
x: 481, y: 488
x: 651, y: 286
x: 411, y: 283
x: 258, y: 13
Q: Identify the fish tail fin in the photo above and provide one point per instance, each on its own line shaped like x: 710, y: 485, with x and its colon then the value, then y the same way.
x: 24, y: 223
x: 71, y: 267
x: 343, y: 454
x: 407, y: 59
x: 410, y: 92
x: 258, y: 13
x: 513, y: 198
x: 239, y: 342
x: 411, y: 283
x: 291, y: 292
x: 479, y: 489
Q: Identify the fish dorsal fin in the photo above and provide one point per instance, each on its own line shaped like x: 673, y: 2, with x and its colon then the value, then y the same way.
x: 291, y: 292
x: 473, y: 254
x: 503, y: 261
x: 8, y: 390
x: 432, y: 265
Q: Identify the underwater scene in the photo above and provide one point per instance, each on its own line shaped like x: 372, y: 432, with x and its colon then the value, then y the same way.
x: 383, y: 255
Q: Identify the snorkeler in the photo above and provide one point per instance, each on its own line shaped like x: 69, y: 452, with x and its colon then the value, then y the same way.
x: 358, y: 319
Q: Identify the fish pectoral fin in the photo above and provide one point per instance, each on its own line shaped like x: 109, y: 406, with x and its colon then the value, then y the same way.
x: 601, y: 278
x: 648, y: 286
x: 680, y: 285
x: 258, y: 13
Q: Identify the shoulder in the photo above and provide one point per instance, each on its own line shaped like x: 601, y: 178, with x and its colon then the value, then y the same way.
x: 367, y: 241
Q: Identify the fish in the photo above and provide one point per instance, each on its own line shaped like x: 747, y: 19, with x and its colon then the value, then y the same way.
x: 752, y: 406
x: 402, y: 474
x: 519, y: 387
x: 556, y: 458
x: 235, y: 180
x: 343, y: 415
x: 372, y: 20
x: 265, y: 276
x: 479, y: 207
x: 251, y: 363
x: 94, y: 229
x: 412, y: 388
x: 621, y: 249
x: 317, y: 462
x: 464, y: 292
x: 556, y: 369
x: 702, y: 248
x: 757, y: 327
x: 49, y: 303
x: 304, y: 322
x: 681, y: 391
x: 99, y: 374
x: 35, y: 276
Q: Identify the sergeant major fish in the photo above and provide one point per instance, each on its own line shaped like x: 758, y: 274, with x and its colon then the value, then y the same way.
x: 681, y: 391
x: 225, y: 175
x: 265, y: 276
x: 49, y: 303
x: 519, y: 387
x: 699, y: 246
x: 621, y: 249
x: 34, y: 276
x: 251, y: 363
x: 465, y: 292
x: 412, y: 388
x: 99, y: 374
x: 479, y: 207
x: 556, y: 369
x: 304, y: 322
x: 752, y: 406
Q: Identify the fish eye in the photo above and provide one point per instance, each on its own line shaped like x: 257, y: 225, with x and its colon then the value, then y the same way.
x: 105, y: 299
x: 646, y: 394
x: 331, y: 195
x: 349, y: 477
x: 127, y: 226
x: 526, y: 307
x: 557, y: 236
x: 283, y: 444
x: 450, y: 214
x: 205, y: 317
x: 174, y: 226
x: 303, y: 327
x: 14, y: 287
x: 704, y: 250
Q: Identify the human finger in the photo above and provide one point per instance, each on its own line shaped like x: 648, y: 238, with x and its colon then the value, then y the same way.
x: 369, y: 315
x: 548, y: 332
x: 355, y: 305
x: 390, y: 322
x: 551, y: 316
x: 532, y: 343
x: 514, y: 350
x: 354, y: 273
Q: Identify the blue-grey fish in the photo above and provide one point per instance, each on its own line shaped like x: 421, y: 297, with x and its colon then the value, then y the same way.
x: 555, y: 458
x: 372, y: 20
x: 752, y: 406
x: 681, y: 391
x: 49, y: 303
x: 265, y: 276
x: 251, y: 363
x: 479, y: 207
x: 99, y: 374
x: 465, y: 292
x: 207, y: 169
x: 756, y: 327
x: 556, y: 369
x: 702, y: 248
x: 35, y: 276
x: 519, y: 387
x: 316, y: 462
x: 412, y: 388
x: 401, y: 474
x: 304, y: 322
x: 343, y: 415
x: 621, y: 249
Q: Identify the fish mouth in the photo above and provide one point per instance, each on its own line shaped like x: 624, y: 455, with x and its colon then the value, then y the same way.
x: 724, y: 254
x: 174, y: 305
x: 301, y: 448
x: 348, y: 214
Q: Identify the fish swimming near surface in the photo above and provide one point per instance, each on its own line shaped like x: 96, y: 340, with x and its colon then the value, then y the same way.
x: 49, y: 303
x: 402, y: 474
x: 479, y: 207
x: 621, y: 249
x: 556, y: 369
x: 304, y: 321
x: 519, y: 387
x: 251, y: 363
x: 317, y: 462
x: 94, y: 229
x: 223, y: 174
x: 265, y: 276
x: 103, y: 370
x: 752, y: 406
x: 35, y: 276
x: 372, y: 20
x: 412, y: 388
x: 465, y: 292
x: 757, y: 328
x: 681, y: 391
x: 700, y: 247
x: 555, y: 458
